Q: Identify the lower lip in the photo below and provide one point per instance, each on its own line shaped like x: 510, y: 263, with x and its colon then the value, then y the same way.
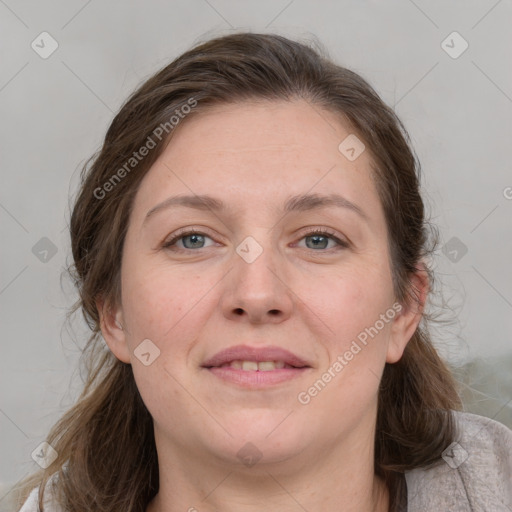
x: 256, y: 379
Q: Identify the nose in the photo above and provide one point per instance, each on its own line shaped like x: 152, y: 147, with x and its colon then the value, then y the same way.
x: 256, y: 291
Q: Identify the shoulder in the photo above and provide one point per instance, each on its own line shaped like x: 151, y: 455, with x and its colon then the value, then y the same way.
x: 31, y: 503
x: 474, y: 473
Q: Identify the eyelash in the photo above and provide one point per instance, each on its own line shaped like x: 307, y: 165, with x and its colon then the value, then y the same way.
x: 342, y: 244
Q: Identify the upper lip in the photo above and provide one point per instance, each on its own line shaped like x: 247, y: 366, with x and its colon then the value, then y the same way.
x: 247, y: 353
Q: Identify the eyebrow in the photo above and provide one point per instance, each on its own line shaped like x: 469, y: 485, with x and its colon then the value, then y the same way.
x: 298, y: 203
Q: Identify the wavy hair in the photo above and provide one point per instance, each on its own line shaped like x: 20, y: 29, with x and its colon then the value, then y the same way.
x: 107, y: 458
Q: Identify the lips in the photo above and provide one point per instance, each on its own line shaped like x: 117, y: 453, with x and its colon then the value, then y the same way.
x: 248, y: 358
x: 252, y: 368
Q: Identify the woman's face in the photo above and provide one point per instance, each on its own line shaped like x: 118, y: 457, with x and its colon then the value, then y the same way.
x: 256, y: 284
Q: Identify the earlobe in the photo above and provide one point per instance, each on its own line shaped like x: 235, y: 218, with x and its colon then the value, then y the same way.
x: 407, y: 321
x: 111, y: 324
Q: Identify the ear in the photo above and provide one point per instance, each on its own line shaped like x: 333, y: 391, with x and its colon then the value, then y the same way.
x: 111, y: 324
x: 409, y: 317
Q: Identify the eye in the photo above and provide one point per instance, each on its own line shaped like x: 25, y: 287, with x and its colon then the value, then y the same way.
x: 189, y: 239
x: 317, y: 239
x: 320, y: 238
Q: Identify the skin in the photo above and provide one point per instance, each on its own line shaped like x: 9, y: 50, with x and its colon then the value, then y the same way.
x: 313, y: 301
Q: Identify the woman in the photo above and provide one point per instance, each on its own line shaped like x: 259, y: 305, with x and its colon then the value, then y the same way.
x: 250, y: 243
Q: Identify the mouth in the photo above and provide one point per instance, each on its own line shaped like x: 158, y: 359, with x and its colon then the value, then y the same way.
x: 251, y: 367
x: 256, y: 366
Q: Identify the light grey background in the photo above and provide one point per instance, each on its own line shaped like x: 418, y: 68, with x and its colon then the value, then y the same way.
x: 55, y: 112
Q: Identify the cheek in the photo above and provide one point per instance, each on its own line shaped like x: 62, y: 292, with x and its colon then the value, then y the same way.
x: 350, y: 304
x: 356, y: 347
x: 160, y: 300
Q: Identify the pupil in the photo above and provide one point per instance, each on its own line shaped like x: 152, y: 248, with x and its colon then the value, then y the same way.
x: 194, y: 239
x: 317, y: 240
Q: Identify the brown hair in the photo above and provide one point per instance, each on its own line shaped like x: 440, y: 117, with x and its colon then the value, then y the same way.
x: 106, y: 450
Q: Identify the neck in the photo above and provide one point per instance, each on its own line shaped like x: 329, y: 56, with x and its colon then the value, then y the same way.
x: 341, y: 480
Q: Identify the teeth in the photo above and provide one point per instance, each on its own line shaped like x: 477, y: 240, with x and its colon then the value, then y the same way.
x: 249, y: 365
x: 263, y: 366
x: 266, y: 366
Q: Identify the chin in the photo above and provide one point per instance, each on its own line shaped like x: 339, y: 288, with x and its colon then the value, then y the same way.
x: 261, y: 436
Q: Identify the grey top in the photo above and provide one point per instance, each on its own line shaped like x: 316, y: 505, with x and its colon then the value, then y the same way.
x: 473, y: 475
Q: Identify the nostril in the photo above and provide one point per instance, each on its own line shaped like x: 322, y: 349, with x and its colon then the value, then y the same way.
x: 239, y: 311
x: 274, y: 312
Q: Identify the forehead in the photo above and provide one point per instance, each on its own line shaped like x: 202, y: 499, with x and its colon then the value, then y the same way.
x: 294, y: 127
x: 259, y: 153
